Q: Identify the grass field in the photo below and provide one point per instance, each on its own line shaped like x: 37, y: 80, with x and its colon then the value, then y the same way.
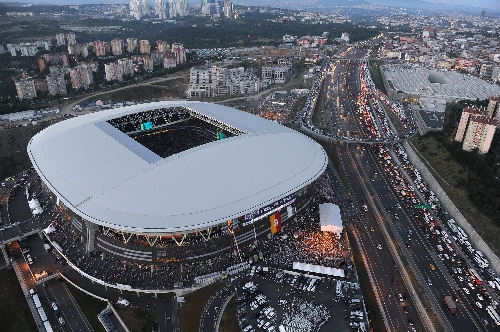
x: 191, y: 310
x: 138, y: 320
x: 376, y: 74
x: 90, y: 306
x: 15, y: 315
x: 228, y: 322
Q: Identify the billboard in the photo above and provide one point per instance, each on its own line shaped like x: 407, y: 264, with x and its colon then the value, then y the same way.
x: 266, y: 210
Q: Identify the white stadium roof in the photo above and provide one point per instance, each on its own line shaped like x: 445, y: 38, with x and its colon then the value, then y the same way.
x: 106, y: 181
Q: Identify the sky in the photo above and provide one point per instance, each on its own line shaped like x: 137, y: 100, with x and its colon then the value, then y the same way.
x: 493, y: 4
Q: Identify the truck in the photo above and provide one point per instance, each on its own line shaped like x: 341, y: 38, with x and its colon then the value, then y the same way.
x: 450, y: 304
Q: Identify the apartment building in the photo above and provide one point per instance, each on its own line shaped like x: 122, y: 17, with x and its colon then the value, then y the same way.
x: 99, y: 48
x: 477, y: 127
x: 131, y: 44
x: 56, y: 84
x: 127, y: 66
x: 117, y: 46
x: 144, y: 47
x: 71, y: 38
x: 60, y: 39
x: 25, y: 89
x: 81, y: 77
x: 113, y: 71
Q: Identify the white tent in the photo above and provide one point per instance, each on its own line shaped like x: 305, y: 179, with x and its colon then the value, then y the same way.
x: 49, y: 229
x: 319, y: 269
x: 329, y: 216
x: 33, y: 204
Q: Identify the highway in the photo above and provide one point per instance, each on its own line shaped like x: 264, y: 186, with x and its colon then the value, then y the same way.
x: 391, y: 226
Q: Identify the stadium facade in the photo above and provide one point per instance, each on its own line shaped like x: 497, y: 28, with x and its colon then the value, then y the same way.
x: 171, y: 181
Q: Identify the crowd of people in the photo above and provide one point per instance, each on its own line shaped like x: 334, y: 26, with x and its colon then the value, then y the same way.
x: 303, y: 241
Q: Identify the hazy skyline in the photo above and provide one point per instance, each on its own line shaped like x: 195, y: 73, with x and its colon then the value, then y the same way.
x: 492, y: 4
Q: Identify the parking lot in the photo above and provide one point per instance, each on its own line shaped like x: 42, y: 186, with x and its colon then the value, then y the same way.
x: 268, y: 298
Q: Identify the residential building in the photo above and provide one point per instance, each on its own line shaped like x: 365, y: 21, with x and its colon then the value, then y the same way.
x: 138, y: 8
x: 59, y: 69
x: 25, y: 89
x: 160, y: 7
x: 228, y: 9
x: 148, y: 63
x: 60, y: 39
x: 114, y: 71
x: 180, y: 52
x: 429, y: 32
x: 28, y: 49
x: 162, y: 46
x: 71, y: 38
x: 78, y: 49
x: 57, y: 58
x: 477, y: 127
x: 214, y: 81
x: 177, y: 8
x: 81, y: 77
x: 169, y: 60
x: 479, y: 134
x: 117, y: 46
x: 144, y: 47
x: 131, y: 44
x: 157, y: 58
x: 56, y: 84
x: 40, y: 86
x: 99, y: 48
x: 127, y: 66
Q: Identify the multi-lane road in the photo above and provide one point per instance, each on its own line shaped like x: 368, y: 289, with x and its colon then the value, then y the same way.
x: 400, y: 254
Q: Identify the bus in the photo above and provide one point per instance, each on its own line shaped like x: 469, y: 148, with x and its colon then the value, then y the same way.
x: 493, y: 315
x: 47, y: 326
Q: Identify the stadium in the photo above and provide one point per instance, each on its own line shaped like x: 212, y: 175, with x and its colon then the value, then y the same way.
x: 174, y: 181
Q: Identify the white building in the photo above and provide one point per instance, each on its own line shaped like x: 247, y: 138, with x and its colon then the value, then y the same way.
x: 127, y: 66
x: 160, y: 7
x: 114, y: 71
x: 177, y: 8
x: 25, y: 89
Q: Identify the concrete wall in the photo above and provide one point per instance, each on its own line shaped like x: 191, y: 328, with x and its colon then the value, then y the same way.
x: 452, y: 210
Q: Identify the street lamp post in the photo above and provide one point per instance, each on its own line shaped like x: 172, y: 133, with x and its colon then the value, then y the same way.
x: 237, y: 248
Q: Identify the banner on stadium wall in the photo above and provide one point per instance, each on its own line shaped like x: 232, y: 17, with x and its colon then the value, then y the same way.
x: 266, y: 210
x: 275, y: 223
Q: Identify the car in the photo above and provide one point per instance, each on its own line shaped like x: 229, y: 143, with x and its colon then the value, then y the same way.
x: 440, y: 247
x: 432, y: 267
x: 429, y: 281
x: 479, y: 305
x: 466, y: 290
x: 379, y: 246
x: 471, y: 285
x: 410, y: 322
x: 400, y: 297
x: 480, y: 298
x: 405, y: 309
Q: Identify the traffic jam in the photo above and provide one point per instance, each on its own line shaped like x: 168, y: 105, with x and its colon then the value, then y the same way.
x: 467, y: 266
